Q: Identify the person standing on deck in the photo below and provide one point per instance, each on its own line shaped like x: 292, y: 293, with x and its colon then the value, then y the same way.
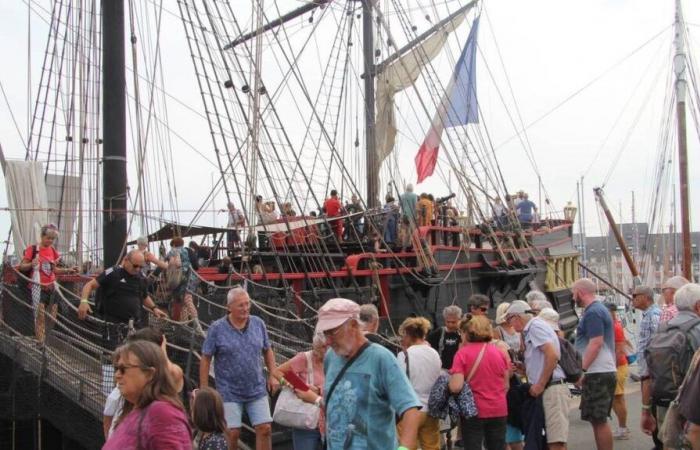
x: 408, y: 201
x: 425, y: 211
x: 237, y: 342
x: 526, y: 211
x: 123, y: 295
x: 236, y: 219
x: 333, y: 208
x: 44, y: 258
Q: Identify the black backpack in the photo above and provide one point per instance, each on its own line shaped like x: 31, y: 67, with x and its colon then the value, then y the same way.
x: 668, y: 357
x: 570, y: 361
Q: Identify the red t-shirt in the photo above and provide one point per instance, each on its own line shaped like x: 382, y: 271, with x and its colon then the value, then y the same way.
x: 620, y: 340
x: 332, y: 206
x: 488, y: 382
x: 48, y: 257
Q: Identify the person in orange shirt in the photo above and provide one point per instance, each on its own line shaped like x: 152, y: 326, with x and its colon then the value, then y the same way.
x: 333, y: 208
x: 425, y: 210
x: 44, y: 258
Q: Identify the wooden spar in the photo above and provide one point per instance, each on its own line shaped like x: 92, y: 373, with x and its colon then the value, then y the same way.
x: 379, y: 68
x: 679, y: 67
x: 310, y: 6
x: 618, y: 236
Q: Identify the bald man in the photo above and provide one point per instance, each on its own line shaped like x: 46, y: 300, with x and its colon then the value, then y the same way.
x: 595, y: 340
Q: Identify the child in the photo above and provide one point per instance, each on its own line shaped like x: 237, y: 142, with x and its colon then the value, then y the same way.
x: 208, y: 419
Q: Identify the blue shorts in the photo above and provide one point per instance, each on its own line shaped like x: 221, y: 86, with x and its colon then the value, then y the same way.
x: 258, y: 411
x: 513, y: 434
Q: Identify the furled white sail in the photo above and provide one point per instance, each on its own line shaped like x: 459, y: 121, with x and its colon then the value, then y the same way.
x: 63, y: 193
x: 399, y: 75
x: 28, y: 201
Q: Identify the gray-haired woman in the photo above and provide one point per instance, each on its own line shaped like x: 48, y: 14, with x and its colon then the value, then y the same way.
x: 299, y: 363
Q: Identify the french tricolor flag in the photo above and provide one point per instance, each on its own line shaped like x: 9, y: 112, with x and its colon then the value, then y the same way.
x: 457, y: 107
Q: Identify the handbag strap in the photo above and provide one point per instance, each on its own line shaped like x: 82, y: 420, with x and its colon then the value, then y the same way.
x: 476, y: 364
x: 309, y: 368
x: 343, y: 370
x: 408, y: 368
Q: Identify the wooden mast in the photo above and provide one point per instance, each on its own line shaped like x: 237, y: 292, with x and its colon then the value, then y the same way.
x: 679, y: 68
x: 370, y: 131
x: 114, y: 129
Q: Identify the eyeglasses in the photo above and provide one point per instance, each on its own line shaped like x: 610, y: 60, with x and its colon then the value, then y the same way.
x: 122, y: 368
x: 333, y: 332
x: 481, y: 308
x: 136, y: 266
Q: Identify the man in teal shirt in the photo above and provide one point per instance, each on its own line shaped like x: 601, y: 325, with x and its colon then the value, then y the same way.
x: 361, y: 409
x: 408, y: 202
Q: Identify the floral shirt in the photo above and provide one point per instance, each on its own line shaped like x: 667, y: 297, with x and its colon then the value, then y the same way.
x: 238, y: 358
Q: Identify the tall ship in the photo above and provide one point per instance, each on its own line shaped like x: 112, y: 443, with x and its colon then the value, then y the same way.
x: 348, y: 97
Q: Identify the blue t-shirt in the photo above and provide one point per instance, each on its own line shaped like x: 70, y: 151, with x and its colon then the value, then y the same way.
x: 361, y: 412
x: 408, y: 202
x: 597, y: 321
x: 238, y: 359
x: 526, y: 207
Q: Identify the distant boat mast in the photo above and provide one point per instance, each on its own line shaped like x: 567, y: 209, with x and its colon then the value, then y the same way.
x: 679, y: 68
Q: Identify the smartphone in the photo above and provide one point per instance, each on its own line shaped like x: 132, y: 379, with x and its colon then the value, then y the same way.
x: 296, y: 382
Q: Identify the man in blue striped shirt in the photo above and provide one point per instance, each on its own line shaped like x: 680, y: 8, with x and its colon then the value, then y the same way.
x: 643, y: 299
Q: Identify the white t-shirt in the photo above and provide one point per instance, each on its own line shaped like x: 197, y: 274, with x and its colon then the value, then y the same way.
x: 424, y: 367
x: 113, y: 407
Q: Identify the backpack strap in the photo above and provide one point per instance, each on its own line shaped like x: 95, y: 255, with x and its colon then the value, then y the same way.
x: 441, y: 343
x: 408, y: 368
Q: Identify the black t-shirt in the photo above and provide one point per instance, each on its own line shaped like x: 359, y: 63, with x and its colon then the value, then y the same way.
x: 122, y: 294
x: 450, y: 345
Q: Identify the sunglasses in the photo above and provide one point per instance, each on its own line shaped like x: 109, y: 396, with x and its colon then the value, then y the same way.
x: 122, y: 368
x: 481, y: 308
x: 135, y: 266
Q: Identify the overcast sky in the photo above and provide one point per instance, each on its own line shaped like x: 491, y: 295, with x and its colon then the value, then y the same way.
x: 551, y: 50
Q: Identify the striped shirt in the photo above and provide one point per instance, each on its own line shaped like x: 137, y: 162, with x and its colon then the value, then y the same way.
x: 647, y: 328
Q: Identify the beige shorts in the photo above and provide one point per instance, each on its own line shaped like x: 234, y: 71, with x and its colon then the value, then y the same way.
x: 621, y: 379
x: 555, y: 400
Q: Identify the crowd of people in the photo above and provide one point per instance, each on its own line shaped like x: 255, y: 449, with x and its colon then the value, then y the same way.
x: 494, y: 384
x: 499, y: 384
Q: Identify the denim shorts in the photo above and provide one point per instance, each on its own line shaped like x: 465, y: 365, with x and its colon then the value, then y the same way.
x: 258, y: 411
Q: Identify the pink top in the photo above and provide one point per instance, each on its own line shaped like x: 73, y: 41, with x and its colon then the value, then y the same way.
x: 668, y: 312
x: 300, y: 367
x: 488, y: 382
x: 163, y: 426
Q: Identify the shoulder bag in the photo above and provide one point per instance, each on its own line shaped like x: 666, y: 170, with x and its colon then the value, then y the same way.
x: 293, y: 412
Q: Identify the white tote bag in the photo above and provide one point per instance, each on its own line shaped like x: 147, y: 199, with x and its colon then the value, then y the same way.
x: 291, y: 411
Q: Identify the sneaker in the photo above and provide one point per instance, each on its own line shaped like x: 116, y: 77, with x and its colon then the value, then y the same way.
x: 622, y: 434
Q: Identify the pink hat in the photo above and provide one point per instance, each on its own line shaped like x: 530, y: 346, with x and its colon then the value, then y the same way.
x: 336, y: 312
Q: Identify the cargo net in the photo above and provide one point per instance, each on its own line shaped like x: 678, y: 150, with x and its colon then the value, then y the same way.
x: 68, y: 357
